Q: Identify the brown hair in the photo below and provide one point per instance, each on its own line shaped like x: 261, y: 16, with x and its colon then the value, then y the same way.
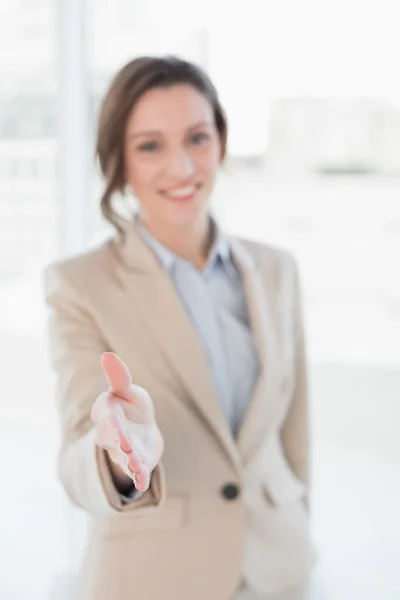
x: 127, y: 87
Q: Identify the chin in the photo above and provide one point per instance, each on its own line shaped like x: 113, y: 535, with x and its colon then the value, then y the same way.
x: 186, y: 216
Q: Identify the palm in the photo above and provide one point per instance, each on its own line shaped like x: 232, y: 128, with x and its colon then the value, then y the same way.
x: 126, y: 414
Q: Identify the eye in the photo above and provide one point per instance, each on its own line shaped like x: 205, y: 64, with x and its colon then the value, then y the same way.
x: 148, y: 147
x: 198, y: 138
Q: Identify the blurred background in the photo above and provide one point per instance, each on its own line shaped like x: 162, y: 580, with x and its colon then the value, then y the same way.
x: 313, y: 99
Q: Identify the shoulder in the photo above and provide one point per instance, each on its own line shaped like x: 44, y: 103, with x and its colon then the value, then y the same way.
x: 81, y: 270
x: 274, y: 261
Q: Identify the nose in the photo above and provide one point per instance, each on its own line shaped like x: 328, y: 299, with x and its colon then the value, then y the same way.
x: 180, y: 165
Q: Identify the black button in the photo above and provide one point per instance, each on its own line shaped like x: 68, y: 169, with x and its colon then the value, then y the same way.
x: 230, y: 491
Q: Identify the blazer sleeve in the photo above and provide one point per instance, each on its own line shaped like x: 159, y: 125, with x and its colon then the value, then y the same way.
x: 75, y: 346
x: 295, y: 431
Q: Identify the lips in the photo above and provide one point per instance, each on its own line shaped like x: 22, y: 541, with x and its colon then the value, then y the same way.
x: 181, y: 194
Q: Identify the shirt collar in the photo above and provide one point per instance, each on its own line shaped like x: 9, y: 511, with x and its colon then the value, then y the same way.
x: 220, y: 250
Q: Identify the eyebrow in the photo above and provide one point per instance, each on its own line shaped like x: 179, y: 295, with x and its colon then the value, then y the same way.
x: 155, y: 132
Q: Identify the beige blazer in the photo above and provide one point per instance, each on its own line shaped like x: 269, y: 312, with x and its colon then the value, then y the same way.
x: 183, y: 539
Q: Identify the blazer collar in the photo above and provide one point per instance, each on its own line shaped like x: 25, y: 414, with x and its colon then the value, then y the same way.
x: 141, y: 251
x: 149, y: 287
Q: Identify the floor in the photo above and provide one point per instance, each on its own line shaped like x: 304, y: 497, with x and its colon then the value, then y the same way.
x: 356, y: 497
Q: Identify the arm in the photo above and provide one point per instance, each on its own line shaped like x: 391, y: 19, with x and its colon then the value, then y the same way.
x: 76, y: 346
x: 295, y: 430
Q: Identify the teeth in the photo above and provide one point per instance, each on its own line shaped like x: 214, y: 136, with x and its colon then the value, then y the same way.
x: 182, y: 192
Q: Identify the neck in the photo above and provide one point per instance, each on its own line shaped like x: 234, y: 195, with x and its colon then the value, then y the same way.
x: 190, y: 243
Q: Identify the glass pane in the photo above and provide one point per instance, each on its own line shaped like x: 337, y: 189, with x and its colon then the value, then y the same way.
x: 28, y: 239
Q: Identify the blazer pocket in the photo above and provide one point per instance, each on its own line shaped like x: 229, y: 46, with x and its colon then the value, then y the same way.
x: 171, y: 516
x: 283, y: 490
x: 280, y: 484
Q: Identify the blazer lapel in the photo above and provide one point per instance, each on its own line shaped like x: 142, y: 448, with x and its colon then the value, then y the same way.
x: 259, y: 415
x: 154, y: 295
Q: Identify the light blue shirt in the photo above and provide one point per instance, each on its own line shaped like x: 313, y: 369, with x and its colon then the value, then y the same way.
x: 215, y: 302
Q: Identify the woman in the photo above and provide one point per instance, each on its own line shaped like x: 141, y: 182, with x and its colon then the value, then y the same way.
x: 195, y: 474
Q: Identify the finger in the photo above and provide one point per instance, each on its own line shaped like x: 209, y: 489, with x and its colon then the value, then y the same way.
x: 133, y: 462
x: 123, y: 435
x: 142, y: 479
x: 117, y: 375
x: 133, y: 457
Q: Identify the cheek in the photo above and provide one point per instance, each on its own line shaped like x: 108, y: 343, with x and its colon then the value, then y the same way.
x: 210, y: 163
x: 140, y: 174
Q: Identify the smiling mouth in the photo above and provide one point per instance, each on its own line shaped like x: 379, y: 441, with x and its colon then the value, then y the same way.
x: 182, y: 194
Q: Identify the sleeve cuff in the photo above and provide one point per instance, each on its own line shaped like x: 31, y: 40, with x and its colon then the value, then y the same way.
x: 86, y: 476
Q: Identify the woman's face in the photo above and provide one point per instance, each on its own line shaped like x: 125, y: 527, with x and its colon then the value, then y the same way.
x: 172, y: 155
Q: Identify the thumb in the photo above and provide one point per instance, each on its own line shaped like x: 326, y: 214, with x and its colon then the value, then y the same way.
x: 117, y: 375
